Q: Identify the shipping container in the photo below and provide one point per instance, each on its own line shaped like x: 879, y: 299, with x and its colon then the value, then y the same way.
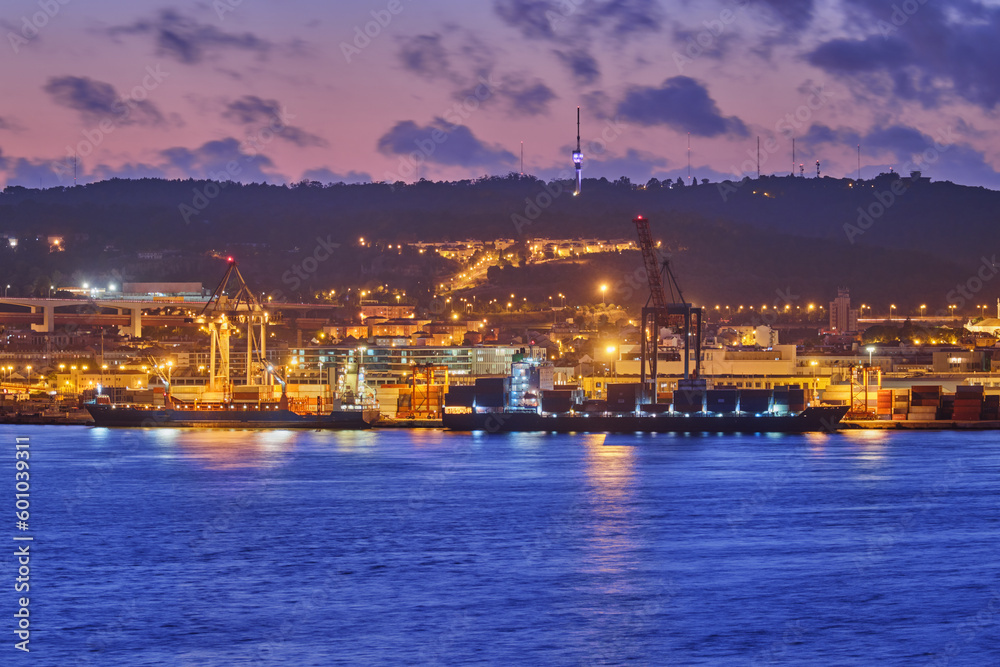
x: 460, y: 397
x: 689, y: 400
x: 755, y: 400
x: 558, y: 400
x: 721, y: 400
x: 593, y: 405
x: 623, y: 397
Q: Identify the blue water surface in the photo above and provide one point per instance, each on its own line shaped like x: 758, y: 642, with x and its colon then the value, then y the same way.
x: 395, y: 547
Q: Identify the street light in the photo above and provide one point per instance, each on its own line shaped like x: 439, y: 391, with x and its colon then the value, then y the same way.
x: 952, y: 309
x: 892, y: 307
x: 611, y: 350
x: 871, y: 349
x: 29, y: 376
x: 604, y: 288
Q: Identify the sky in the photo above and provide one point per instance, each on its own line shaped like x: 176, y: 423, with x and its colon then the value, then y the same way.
x: 279, y: 91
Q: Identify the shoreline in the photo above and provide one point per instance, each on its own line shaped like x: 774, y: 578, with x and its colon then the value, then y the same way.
x: 419, y: 424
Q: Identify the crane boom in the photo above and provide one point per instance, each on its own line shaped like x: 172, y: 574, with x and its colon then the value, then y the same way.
x: 653, y: 274
x: 676, y: 313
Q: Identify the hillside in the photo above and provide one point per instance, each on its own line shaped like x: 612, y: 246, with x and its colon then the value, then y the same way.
x: 731, y: 241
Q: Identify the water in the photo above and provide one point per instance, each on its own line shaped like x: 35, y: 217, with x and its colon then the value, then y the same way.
x: 178, y: 547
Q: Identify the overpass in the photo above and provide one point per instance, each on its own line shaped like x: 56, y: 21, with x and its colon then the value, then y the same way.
x: 132, y: 315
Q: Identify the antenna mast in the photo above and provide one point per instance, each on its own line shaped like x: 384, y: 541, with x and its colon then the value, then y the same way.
x: 578, y: 156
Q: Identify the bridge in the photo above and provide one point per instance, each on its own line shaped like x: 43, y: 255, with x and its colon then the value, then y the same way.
x: 132, y: 315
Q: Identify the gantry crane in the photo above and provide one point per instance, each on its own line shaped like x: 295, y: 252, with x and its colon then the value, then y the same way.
x: 658, y: 312
x: 224, y: 312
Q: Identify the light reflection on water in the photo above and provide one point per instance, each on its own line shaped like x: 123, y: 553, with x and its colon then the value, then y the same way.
x: 610, y: 535
x: 432, y: 547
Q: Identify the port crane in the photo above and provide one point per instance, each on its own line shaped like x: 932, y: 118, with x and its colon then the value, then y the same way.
x: 223, y: 313
x: 659, y: 312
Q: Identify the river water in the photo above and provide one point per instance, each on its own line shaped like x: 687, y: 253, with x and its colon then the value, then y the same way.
x: 195, y: 547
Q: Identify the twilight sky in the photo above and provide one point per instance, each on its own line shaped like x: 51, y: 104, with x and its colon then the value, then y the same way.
x: 358, y: 90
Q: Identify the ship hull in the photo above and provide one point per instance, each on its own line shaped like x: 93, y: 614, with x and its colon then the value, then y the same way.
x: 815, y: 419
x: 108, y: 415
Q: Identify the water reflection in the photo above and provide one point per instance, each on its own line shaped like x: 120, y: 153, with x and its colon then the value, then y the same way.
x: 609, y: 469
x: 222, y: 449
x: 872, y: 444
x: 817, y: 443
x: 610, y: 531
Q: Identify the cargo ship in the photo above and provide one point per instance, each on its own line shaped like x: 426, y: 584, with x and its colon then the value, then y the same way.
x: 224, y: 403
x: 516, y: 404
x: 528, y: 401
x: 226, y: 415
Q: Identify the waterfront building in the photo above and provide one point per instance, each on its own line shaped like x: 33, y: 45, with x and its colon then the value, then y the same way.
x: 843, y: 320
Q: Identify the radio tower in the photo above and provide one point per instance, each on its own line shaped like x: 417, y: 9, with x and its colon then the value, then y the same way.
x: 758, y: 158
x: 578, y: 156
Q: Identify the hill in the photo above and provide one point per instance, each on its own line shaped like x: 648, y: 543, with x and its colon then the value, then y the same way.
x: 889, y: 239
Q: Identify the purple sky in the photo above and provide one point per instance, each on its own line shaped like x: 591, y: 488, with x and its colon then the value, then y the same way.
x: 281, y: 90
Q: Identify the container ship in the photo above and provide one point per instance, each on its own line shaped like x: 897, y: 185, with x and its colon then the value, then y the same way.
x: 518, y: 403
x: 527, y: 400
